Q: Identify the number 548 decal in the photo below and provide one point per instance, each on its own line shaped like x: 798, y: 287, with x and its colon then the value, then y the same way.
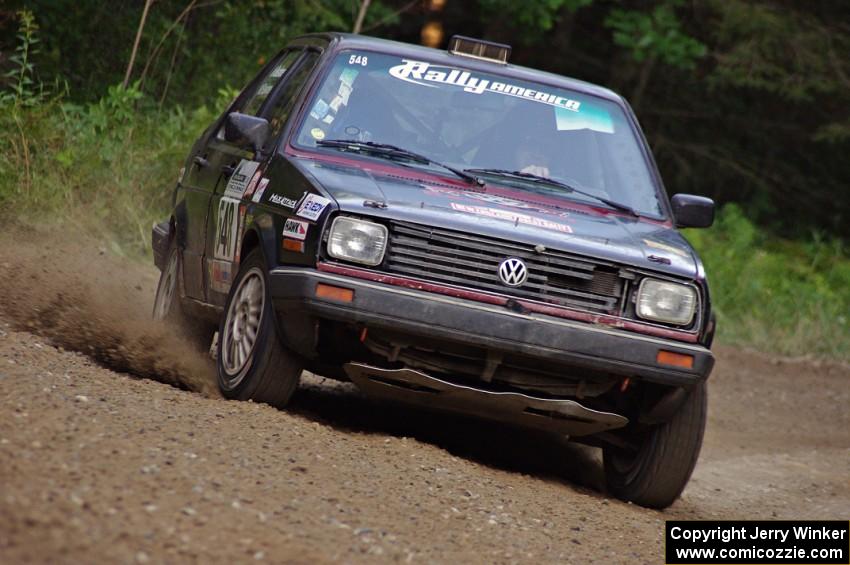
x: 227, y: 229
x: 361, y: 60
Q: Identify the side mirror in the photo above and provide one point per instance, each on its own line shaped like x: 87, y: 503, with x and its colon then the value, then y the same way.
x: 246, y: 131
x: 691, y: 211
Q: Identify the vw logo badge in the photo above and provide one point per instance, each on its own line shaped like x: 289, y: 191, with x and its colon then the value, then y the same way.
x: 513, y: 271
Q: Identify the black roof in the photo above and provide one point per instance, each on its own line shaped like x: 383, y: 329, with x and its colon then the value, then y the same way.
x: 437, y: 56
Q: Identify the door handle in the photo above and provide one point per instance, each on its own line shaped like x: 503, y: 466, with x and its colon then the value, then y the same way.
x: 228, y: 169
x: 200, y: 162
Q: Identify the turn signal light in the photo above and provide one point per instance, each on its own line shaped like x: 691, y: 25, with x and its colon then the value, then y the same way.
x: 675, y: 359
x: 334, y: 292
x: 293, y: 245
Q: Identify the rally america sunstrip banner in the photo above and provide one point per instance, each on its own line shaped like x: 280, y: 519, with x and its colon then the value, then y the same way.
x: 422, y: 73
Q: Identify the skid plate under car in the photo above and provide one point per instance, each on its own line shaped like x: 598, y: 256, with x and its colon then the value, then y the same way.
x: 562, y: 416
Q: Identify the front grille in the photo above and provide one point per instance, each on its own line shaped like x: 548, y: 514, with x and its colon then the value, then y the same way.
x: 472, y: 261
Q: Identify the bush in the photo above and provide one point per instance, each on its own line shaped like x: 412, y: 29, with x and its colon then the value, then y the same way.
x: 110, y: 166
x: 776, y: 295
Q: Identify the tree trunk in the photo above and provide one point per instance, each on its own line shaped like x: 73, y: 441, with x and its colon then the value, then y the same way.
x: 136, y: 43
x: 361, y: 15
x: 643, y: 80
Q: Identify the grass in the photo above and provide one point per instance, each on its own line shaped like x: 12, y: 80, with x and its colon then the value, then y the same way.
x: 108, y: 168
x: 776, y: 295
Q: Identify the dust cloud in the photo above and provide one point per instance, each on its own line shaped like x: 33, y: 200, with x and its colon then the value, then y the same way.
x: 70, y: 289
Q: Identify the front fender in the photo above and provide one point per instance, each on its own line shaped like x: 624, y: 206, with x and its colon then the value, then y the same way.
x: 260, y: 232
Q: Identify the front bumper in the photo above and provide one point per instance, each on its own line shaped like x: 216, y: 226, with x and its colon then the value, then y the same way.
x: 435, y: 316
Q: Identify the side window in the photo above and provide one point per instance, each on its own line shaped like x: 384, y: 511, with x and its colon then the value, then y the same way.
x: 255, y: 102
x: 281, y: 104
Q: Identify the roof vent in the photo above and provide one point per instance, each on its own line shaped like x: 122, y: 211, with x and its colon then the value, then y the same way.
x: 479, y: 49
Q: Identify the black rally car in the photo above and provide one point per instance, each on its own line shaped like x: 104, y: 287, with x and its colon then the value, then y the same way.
x: 448, y: 230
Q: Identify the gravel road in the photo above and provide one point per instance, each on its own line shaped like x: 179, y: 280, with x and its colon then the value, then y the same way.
x: 102, y: 460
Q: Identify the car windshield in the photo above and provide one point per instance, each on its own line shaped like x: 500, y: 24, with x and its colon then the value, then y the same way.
x: 474, y: 120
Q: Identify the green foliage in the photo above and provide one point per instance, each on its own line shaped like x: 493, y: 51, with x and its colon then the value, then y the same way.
x: 655, y: 35
x: 109, y: 166
x: 835, y: 132
x: 535, y: 15
x: 118, y: 108
x: 205, y: 44
x: 24, y: 89
x: 767, y: 48
x: 774, y: 294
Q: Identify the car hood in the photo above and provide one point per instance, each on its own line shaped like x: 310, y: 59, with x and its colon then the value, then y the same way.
x: 503, y: 212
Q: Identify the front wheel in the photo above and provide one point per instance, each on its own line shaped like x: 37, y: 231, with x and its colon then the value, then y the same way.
x: 656, y: 474
x: 252, y: 363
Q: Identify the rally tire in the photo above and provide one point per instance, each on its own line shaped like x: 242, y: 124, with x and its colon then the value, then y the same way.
x: 264, y: 371
x: 166, y: 305
x: 657, y: 474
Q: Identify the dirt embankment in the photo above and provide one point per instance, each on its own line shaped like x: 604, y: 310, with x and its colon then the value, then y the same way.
x: 100, y: 465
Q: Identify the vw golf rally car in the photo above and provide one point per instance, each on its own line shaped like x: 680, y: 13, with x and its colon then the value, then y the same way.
x: 448, y: 230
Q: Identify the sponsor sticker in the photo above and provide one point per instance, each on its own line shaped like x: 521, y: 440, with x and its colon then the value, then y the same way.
x: 241, y: 232
x: 426, y: 74
x: 336, y: 103
x: 512, y: 217
x: 591, y: 117
x: 348, y: 75
x: 296, y: 229
x: 227, y: 228
x: 261, y: 188
x: 320, y: 109
x: 344, y: 93
x: 498, y: 200
x: 283, y: 201
x: 313, y: 206
x: 252, y: 185
x: 240, y: 178
x: 221, y: 276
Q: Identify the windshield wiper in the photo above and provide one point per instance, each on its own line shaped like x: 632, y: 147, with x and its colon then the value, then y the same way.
x: 385, y: 149
x: 560, y: 184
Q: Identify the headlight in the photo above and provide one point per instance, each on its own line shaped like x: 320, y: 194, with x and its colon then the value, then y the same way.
x: 357, y: 240
x: 666, y: 302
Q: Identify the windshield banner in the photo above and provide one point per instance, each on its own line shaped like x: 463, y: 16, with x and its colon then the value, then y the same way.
x: 419, y: 72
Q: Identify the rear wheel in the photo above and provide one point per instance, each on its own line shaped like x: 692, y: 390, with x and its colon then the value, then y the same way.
x: 167, y: 307
x: 166, y: 304
x: 252, y: 363
x: 656, y: 474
